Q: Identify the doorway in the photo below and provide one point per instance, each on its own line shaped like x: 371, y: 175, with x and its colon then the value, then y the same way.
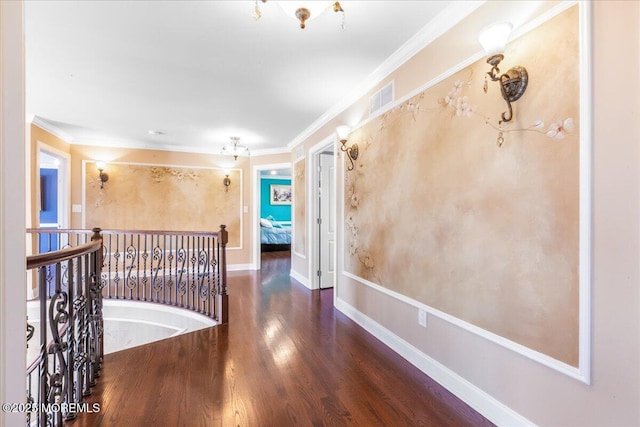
x: 325, y: 210
x: 53, y: 211
x: 264, y: 177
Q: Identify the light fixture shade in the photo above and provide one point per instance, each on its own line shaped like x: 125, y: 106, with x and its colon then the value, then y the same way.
x: 494, y: 38
x: 101, y: 165
x: 343, y: 132
x: 315, y: 7
x: 235, y: 149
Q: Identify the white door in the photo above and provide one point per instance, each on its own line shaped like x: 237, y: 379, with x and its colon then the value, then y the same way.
x: 327, y: 220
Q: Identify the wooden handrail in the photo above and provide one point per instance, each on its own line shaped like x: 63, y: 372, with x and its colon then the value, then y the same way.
x: 160, y: 232
x: 47, y: 258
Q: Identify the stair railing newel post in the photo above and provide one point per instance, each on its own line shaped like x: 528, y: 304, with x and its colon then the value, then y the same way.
x: 44, y: 361
x: 96, y: 306
x: 223, y: 297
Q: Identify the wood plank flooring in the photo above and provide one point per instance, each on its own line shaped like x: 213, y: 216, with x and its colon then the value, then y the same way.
x: 286, y: 358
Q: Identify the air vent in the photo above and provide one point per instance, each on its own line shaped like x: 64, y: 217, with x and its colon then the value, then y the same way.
x: 381, y: 98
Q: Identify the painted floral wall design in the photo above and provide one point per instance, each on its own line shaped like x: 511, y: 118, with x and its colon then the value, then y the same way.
x: 158, y: 197
x: 299, y: 208
x: 475, y: 218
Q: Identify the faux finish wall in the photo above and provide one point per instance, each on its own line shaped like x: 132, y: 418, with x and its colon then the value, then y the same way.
x: 486, y: 233
x: 164, y: 197
x: 209, y: 188
x: 536, y: 392
x: 299, y: 208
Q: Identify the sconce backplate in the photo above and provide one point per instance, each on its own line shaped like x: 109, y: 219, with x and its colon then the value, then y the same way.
x: 514, y: 83
x: 353, y: 152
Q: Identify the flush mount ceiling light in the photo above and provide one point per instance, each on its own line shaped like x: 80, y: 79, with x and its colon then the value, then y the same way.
x: 513, y: 83
x: 303, y: 11
x: 235, y: 149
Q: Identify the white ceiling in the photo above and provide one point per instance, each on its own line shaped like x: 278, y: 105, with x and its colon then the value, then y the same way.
x: 107, y: 72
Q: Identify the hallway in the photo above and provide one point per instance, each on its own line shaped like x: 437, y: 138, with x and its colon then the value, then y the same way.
x: 286, y: 358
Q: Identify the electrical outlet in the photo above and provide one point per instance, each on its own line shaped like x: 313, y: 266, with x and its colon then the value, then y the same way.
x: 422, y: 318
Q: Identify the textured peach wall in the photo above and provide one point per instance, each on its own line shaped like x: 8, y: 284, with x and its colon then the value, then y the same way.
x: 160, y: 197
x: 438, y: 212
x: 299, y: 208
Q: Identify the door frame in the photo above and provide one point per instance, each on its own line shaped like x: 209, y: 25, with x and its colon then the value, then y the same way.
x: 64, y: 180
x: 313, y: 196
x: 255, y: 216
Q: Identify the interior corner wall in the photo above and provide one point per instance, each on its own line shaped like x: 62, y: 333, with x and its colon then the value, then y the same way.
x: 532, y: 392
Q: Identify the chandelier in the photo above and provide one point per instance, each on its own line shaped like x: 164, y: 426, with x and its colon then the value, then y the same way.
x: 235, y: 149
x: 303, y: 11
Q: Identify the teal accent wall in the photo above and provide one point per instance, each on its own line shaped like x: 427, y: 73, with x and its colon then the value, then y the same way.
x: 279, y: 212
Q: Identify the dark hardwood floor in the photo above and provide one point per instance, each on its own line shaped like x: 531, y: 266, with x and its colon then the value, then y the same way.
x: 286, y: 358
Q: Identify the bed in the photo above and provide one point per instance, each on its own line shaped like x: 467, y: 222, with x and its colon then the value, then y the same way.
x: 275, y: 235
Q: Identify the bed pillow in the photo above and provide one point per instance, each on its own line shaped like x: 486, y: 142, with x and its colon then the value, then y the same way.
x: 265, y: 223
x: 273, y: 222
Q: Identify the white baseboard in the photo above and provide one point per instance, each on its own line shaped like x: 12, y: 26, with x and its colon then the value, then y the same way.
x: 303, y: 280
x: 240, y: 267
x: 485, y: 404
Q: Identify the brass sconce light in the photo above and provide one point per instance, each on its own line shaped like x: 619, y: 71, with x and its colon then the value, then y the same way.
x: 352, y: 152
x: 102, y: 175
x: 513, y: 83
x: 226, y: 181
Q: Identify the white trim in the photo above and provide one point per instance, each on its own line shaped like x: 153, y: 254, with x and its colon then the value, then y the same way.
x: 586, y: 191
x: 276, y: 177
x: 582, y: 372
x: 53, y: 130
x: 484, y: 403
x: 443, y: 22
x: 64, y: 180
x: 548, y: 361
x: 300, y: 278
x: 294, y: 247
x: 255, y: 215
x: 240, y: 267
x: 312, y: 204
x: 13, y: 212
x: 240, y: 210
x: 270, y: 151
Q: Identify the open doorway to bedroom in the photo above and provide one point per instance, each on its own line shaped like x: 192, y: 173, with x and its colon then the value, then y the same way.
x: 272, y: 211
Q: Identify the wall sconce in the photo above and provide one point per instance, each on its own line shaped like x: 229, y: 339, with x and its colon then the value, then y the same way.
x: 513, y: 83
x: 226, y: 181
x: 102, y: 175
x: 352, y: 152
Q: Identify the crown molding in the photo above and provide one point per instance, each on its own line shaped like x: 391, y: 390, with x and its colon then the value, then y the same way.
x: 54, y: 130
x: 441, y: 23
x: 268, y: 151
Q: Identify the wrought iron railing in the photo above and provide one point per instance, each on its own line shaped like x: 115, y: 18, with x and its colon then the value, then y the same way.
x: 68, y: 329
x: 182, y: 269
x: 177, y: 268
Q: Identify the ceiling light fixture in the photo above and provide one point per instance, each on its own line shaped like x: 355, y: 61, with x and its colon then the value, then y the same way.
x: 235, y: 149
x: 303, y: 11
x: 513, y: 83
